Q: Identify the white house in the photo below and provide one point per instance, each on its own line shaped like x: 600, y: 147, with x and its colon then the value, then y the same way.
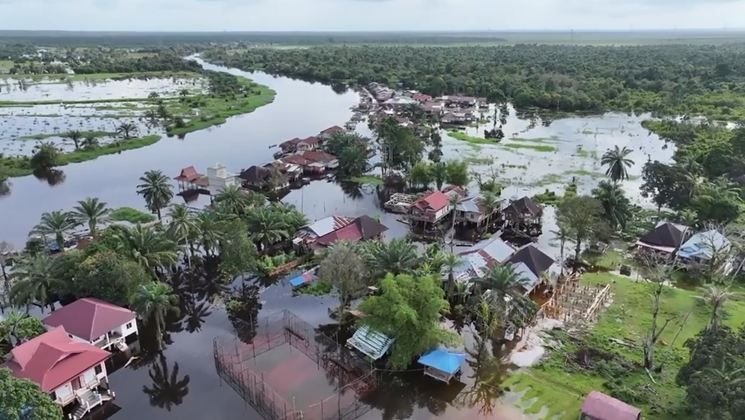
x: 219, y: 179
x: 70, y: 371
x: 95, y: 322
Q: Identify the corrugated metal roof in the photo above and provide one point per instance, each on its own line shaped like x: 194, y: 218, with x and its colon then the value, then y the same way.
x: 703, y: 245
x: 528, y: 279
x: 371, y: 343
x: 443, y: 360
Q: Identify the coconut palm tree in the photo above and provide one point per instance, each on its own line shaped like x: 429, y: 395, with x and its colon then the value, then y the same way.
x: 126, y: 130
x: 56, y: 223
x: 617, y: 161
x: 616, y: 206
x: 267, y: 228
x: 183, y: 226
x: 75, y: 136
x: 156, y: 189
x: 34, y: 281
x: 490, y: 203
x: 148, y: 247
x: 235, y: 200
x: 91, y: 211
x: 5, y: 250
x: 502, y: 283
x: 90, y: 142
x: 716, y: 297
x: 562, y: 235
x: 151, y: 118
x: 152, y: 302
x: 167, y: 389
x: 451, y: 261
x: 396, y: 257
x: 211, y: 230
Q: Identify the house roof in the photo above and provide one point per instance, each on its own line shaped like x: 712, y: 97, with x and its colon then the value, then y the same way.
x: 296, y: 160
x: 256, y: 174
x: 188, y: 174
x: 435, y: 201
x: 533, y: 258
x: 704, y: 245
x: 524, y: 206
x: 528, y: 279
x: 327, y: 225
x: 604, y: 407
x: 310, y: 140
x: 369, y: 342
x: 331, y: 130
x: 666, y: 234
x: 362, y: 229
x: 443, y: 360
x: 89, y: 318
x: 477, y: 260
x: 317, y: 156
x: 53, y: 359
x: 289, y: 144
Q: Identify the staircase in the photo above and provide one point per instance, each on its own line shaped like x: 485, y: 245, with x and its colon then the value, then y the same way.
x: 88, y: 400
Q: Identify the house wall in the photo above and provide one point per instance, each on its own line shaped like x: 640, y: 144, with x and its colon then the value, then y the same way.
x: 64, y: 394
x: 125, y: 331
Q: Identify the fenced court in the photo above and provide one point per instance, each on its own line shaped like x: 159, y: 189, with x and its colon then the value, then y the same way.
x: 289, y: 371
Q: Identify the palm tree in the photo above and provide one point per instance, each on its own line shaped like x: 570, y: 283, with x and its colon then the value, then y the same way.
x: 716, y: 297
x: 75, y: 136
x: 451, y: 261
x: 617, y: 161
x: 155, y: 187
x: 490, y: 203
x: 210, y: 228
x: 56, y: 223
x: 183, y: 227
x: 147, y: 247
x: 396, y: 257
x: 267, y: 228
x: 34, y: 280
x: 90, y: 141
x: 126, y: 130
x: 167, y: 389
x: 454, y: 199
x: 615, y: 204
x: 152, y: 302
x: 90, y: 211
x: 235, y: 200
x: 503, y: 285
x: 562, y: 235
x: 151, y: 117
x: 5, y: 250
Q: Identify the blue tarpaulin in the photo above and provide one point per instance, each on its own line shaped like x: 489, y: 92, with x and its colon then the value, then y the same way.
x: 443, y: 360
x: 303, y: 279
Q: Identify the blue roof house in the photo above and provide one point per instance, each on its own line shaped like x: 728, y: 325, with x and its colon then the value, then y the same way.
x: 442, y: 364
x: 703, y: 247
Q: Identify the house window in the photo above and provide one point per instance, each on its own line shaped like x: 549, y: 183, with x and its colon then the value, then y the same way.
x: 76, y: 384
x: 53, y: 395
x: 98, y: 369
x: 129, y: 325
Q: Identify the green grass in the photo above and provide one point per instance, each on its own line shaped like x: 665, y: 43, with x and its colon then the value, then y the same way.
x: 5, y: 66
x: 84, y: 134
x: 459, y: 135
x: 586, y: 154
x: 373, y: 180
x: 99, y: 77
x: 317, y: 288
x: 128, y: 214
x: 585, y: 172
x: 544, y: 148
x: 554, y: 384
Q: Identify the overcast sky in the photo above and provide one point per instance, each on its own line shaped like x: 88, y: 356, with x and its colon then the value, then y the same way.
x: 319, y: 15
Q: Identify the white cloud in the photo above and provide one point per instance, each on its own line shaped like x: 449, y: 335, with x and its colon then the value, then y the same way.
x: 304, y: 15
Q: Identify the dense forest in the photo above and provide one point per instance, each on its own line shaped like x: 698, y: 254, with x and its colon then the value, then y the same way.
x: 671, y: 79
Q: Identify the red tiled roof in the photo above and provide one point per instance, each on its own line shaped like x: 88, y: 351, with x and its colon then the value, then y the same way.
x: 296, y: 160
x: 317, y: 156
x: 289, y: 143
x: 332, y: 130
x: 310, y: 140
x: 89, y: 318
x: 53, y: 359
x: 363, y: 228
x: 188, y: 174
x: 604, y: 407
x: 435, y: 201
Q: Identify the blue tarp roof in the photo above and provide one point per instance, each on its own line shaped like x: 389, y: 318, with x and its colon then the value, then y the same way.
x: 443, y: 360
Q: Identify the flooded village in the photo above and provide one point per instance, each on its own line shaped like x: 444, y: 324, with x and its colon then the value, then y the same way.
x: 372, y: 207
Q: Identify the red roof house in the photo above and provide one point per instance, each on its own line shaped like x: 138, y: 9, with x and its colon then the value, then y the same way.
x: 189, y: 175
x: 599, y: 406
x: 328, y: 160
x: 53, y: 359
x: 364, y: 228
x: 307, y: 144
x: 432, y: 207
x: 327, y: 133
x: 95, y: 321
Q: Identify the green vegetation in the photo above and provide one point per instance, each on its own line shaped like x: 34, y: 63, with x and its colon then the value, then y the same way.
x: 317, y: 288
x: 128, y: 214
x: 560, y: 382
x: 459, y: 135
x: 367, y: 180
x: 18, y: 395
x: 556, y: 77
x: 545, y: 148
x: 44, y: 136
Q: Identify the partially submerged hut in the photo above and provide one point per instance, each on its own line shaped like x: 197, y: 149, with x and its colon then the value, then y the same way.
x: 599, y: 406
x: 369, y: 342
x: 523, y: 217
x: 441, y: 364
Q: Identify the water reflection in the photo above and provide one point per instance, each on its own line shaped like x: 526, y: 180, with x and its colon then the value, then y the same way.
x: 167, y: 389
x: 243, y: 310
x: 488, y: 374
x: 51, y: 176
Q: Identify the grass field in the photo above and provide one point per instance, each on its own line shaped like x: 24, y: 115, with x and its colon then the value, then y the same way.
x: 459, y: 135
x: 367, y: 180
x: 538, y: 147
x: 559, y: 386
x: 98, y: 77
x: 84, y: 134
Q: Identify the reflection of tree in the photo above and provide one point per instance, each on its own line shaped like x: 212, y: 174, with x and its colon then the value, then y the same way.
x: 195, y: 314
x: 352, y: 190
x: 51, y: 176
x: 243, y: 308
x: 488, y: 375
x: 4, y: 186
x: 167, y: 389
x: 400, y: 393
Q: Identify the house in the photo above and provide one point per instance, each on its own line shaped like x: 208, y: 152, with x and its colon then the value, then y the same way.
x: 73, y: 373
x: 705, y: 247
x: 535, y: 260
x: 477, y: 261
x: 328, y: 160
x: 432, y: 208
x: 289, y: 146
x: 307, y: 144
x: 189, y: 178
x: 473, y: 212
x: 291, y: 171
x: 260, y: 178
x: 528, y: 279
x: 309, y: 234
x: 329, y: 132
x: 369, y: 342
x: 308, y: 167
x: 664, y: 239
x: 599, y: 406
x: 522, y: 218
x: 363, y: 228
x: 421, y: 97
x: 441, y: 364
x: 95, y: 322
x: 218, y: 179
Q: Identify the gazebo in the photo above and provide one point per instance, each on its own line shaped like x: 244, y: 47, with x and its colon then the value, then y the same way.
x: 441, y: 364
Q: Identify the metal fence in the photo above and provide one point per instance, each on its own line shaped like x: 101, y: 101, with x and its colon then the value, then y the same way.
x: 352, y: 374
